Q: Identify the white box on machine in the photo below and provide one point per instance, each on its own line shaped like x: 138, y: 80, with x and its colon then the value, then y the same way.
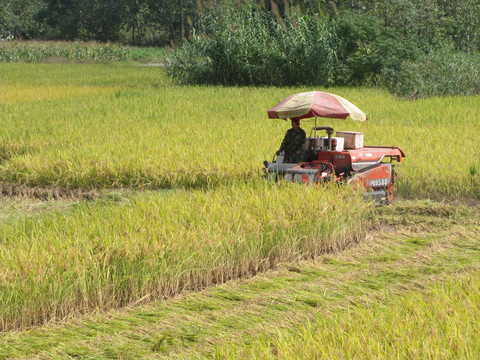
x: 352, y: 140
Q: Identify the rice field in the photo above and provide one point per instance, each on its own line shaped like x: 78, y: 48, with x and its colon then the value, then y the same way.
x: 447, y: 331
x: 102, y: 126
x: 100, y: 255
x: 148, y: 189
x: 412, y: 282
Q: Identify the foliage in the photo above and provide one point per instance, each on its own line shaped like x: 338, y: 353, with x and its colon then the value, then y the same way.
x: 18, y: 18
x: 369, y: 51
x: 397, y: 45
x: 84, y: 20
x: 427, y: 23
x: 252, y: 46
x: 441, y: 72
x: 130, y: 21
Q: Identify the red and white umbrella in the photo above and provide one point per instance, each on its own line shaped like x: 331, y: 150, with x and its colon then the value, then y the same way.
x: 316, y: 104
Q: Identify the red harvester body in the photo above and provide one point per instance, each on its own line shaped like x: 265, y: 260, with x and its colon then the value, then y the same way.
x: 343, y: 159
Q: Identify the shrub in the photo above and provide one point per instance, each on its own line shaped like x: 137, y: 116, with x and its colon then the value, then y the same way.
x: 441, y: 72
x: 258, y: 47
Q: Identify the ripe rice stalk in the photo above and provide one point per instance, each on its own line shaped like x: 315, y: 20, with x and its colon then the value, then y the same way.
x: 101, y: 255
x: 446, y: 312
x: 91, y: 136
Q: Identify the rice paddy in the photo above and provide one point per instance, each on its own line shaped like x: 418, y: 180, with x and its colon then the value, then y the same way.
x: 413, y: 283
x: 159, y: 192
x: 156, y: 135
x: 100, y: 255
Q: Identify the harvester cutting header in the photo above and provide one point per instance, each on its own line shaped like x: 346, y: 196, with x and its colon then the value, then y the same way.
x: 339, y: 158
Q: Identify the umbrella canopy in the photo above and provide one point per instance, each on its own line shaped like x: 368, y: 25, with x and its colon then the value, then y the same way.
x: 316, y: 104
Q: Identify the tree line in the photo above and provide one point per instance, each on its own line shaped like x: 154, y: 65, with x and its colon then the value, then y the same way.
x: 134, y: 22
x: 161, y: 22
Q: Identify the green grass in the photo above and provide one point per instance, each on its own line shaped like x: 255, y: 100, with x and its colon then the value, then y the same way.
x: 148, y: 55
x: 38, y: 51
x: 18, y: 79
x: 78, y: 52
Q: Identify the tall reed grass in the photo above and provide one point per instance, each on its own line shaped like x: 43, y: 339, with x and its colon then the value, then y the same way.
x: 251, y: 47
x: 101, y: 255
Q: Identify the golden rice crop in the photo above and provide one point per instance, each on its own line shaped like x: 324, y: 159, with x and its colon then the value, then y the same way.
x: 92, y: 126
x: 97, y: 126
x: 439, y: 322
x: 101, y: 255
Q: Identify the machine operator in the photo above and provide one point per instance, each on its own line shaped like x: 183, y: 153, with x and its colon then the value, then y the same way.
x: 293, y: 142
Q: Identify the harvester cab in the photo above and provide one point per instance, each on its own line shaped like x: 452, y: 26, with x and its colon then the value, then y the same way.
x: 341, y: 158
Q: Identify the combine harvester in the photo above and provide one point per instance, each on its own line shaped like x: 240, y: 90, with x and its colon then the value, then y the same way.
x: 342, y: 158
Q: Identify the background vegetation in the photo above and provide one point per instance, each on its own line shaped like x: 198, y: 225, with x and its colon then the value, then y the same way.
x: 412, y: 48
x: 251, y: 46
x: 428, y: 23
x: 13, y: 51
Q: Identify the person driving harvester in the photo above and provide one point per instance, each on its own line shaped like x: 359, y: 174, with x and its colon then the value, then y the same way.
x: 293, y: 142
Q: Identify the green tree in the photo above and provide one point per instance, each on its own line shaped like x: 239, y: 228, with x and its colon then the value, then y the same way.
x: 461, y: 22
x: 106, y: 20
x: 63, y: 18
x: 84, y: 19
x: 171, y: 18
x: 18, y: 18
